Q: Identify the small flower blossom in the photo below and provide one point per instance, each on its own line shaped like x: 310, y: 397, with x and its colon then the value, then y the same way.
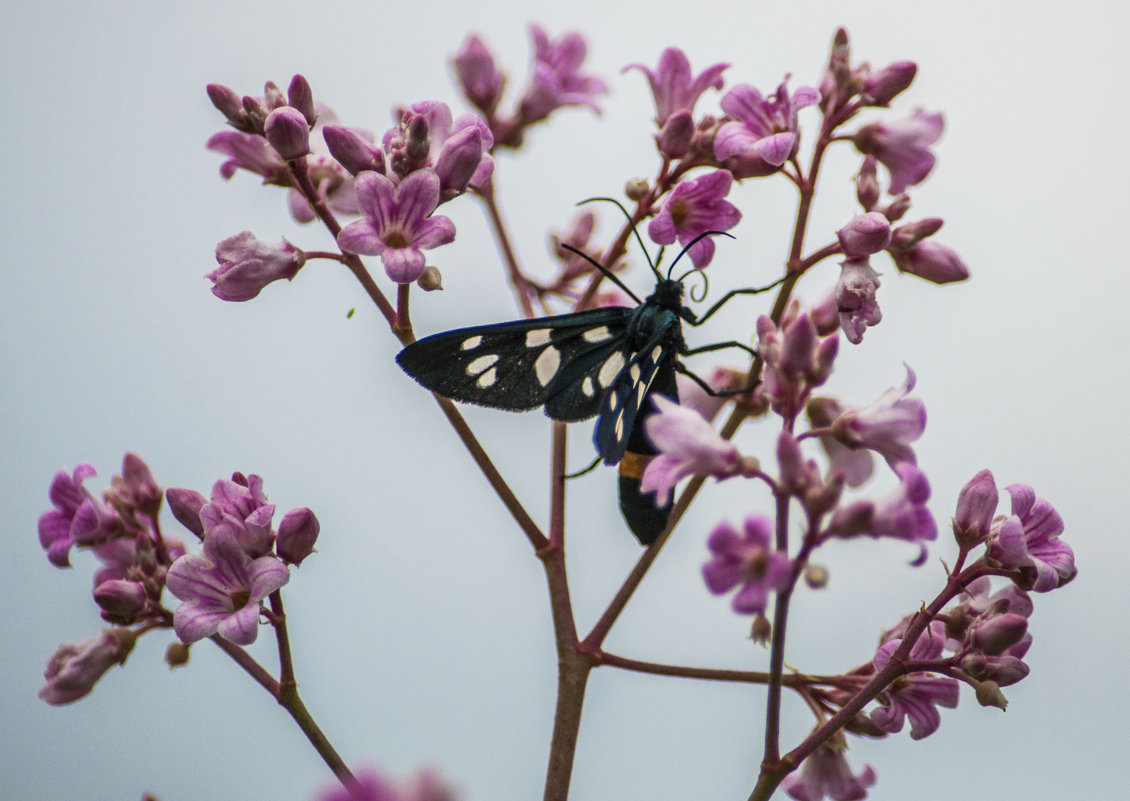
x: 1029, y: 541
x: 887, y: 426
x: 482, y: 82
x: 746, y: 560
x: 797, y: 360
x: 825, y: 773
x: 855, y: 298
x: 221, y: 590
x: 73, y: 670
x: 240, y: 506
x: 902, y: 514
x: 247, y: 265
x: 557, y: 78
x: 77, y: 519
x: 674, y: 86
x: 764, y: 131
x: 915, y: 696
x: 397, y: 224
x: 458, y: 151
x: 687, y: 445
x: 854, y: 465
x: 693, y: 208
x: 903, y: 146
x: 250, y: 152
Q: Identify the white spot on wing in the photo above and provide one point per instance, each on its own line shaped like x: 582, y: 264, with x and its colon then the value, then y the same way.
x: 656, y: 352
x: 611, y: 367
x: 634, y: 372
x: 587, y: 387
x: 470, y: 343
x: 482, y: 363
x: 535, y: 339
x: 547, y: 363
x: 598, y: 334
x: 620, y: 427
x: 487, y: 379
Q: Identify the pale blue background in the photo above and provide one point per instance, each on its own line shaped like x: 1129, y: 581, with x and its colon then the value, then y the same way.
x: 421, y: 628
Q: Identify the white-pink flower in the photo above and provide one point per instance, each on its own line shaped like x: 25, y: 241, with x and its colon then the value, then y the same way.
x: 687, y: 445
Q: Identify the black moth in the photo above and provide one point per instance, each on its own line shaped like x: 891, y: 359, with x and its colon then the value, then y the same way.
x: 603, y: 362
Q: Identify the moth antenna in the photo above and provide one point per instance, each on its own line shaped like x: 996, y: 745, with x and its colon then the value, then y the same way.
x: 632, y: 225
x: 607, y: 273
x: 691, y: 244
x: 705, y: 283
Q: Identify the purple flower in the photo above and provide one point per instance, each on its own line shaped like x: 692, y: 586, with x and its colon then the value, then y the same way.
x: 288, y: 132
x: 763, y: 133
x: 482, y: 82
x: 298, y: 531
x: 397, y: 224
x: 825, y: 773
x: 674, y: 86
x: 73, y: 670
x: 687, y: 445
x: 221, y: 590
x: 903, y: 146
x: 854, y: 465
x: 929, y: 260
x: 247, y: 265
x: 976, y: 506
x: 902, y: 514
x: 459, y: 151
x: 77, y: 519
x: 855, y: 298
x: 866, y: 234
x: 333, y: 182
x: 249, y: 152
x: 747, y: 560
x: 880, y: 88
x: 917, y: 695
x: 1029, y: 541
x: 557, y: 80
x: 887, y: 426
x: 240, y: 506
x: 693, y: 208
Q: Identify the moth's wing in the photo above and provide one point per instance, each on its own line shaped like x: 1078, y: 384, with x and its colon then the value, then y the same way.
x: 518, y: 365
x: 628, y: 392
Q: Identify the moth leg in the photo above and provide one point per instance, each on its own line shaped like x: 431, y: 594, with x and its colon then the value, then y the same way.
x: 581, y: 472
x: 720, y: 346
x: 709, y: 390
x: 725, y: 298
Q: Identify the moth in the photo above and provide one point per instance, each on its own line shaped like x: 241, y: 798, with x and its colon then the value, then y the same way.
x: 603, y: 362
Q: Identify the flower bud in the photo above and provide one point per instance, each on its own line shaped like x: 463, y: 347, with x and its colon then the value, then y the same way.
x: 482, y: 82
x: 288, y: 132
x: 430, y: 279
x: 177, y: 653
x: 867, y: 189
x: 976, y: 505
x: 907, y: 236
x: 185, y: 504
x: 298, y: 531
x: 866, y: 234
x: 230, y: 105
x: 636, y: 189
x: 761, y: 629
x: 897, y: 208
x: 989, y: 694
x: 997, y: 634
x: 247, y: 265
x: 300, y: 96
x: 121, y: 600
x: 418, y: 144
x: 934, y: 262
x: 880, y: 88
x: 352, y: 151
x: 826, y: 316
x: 816, y: 576
x: 674, y: 138
x: 458, y: 160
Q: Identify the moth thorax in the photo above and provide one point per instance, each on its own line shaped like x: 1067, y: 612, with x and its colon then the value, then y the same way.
x: 669, y: 294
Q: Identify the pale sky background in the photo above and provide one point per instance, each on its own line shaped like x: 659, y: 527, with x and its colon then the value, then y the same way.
x: 421, y: 628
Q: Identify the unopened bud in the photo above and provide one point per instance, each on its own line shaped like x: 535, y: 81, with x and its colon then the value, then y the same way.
x: 636, y: 189
x: 288, y: 132
x: 882, y: 87
x: 229, y: 104
x: 177, y: 654
x: 999, y: 633
x: 352, y: 151
x: 674, y: 138
x: 907, y: 236
x: 897, y: 208
x: 121, y: 600
x: 418, y: 145
x: 185, y: 504
x: 273, y: 96
x: 936, y: 263
x: 761, y: 630
x: 989, y: 694
x: 866, y: 234
x: 458, y: 160
x: 976, y: 505
x: 298, y: 531
x: 867, y: 188
x: 816, y: 576
x: 430, y: 279
x: 300, y: 96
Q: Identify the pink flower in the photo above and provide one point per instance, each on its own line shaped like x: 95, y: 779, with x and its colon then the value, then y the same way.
x: 976, y: 506
x: 458, y: 151
x: 797, y: 360
x: 222, y: 589
x: 932, y: 261
x: 902, y: 514
x: 825, y: 773
x: 249, y: 152
x: 866, y: 234
x: 557, y: 80
x: 397, y: 224
x: 674, y: 86
x: 73, y: 670
x: 482, y: 82
x: 687, y: 445
x: 903, y: 146
x: 764, y: 132
x: 746, y: 560
x: 887, y: 426
x: 917, y: 695
x: 77, y: 519
x: 1029, y: 541
x: 247, y: 265
x: 693, y: 208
